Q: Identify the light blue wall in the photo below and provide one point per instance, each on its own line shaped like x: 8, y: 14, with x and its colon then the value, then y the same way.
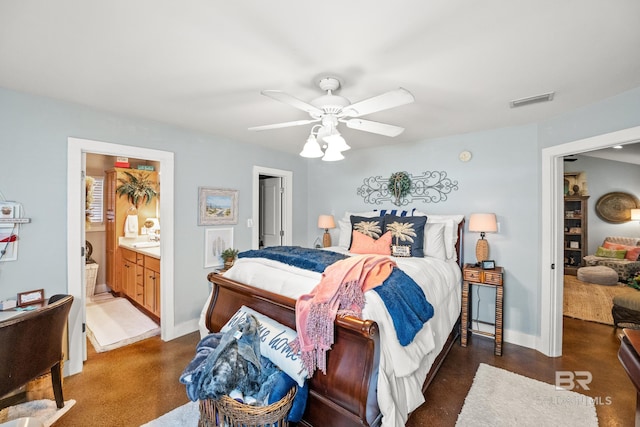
x: 33, y: 152
x: 606, y: 176
x: 611, y: 114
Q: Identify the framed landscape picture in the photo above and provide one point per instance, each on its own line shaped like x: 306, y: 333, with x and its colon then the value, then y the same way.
x: 217, y: 206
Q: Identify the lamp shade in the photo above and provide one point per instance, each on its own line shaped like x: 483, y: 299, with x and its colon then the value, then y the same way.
x: 311, y: 148
x: 326, y: 221
x: 483, y: 223
x: 635, y: 214
x: 337, y: 141
x: 332, y: 154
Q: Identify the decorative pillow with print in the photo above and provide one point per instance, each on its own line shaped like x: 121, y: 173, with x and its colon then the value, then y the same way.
x: 274, y: 343
x: 406, y: 231
x: 369, y: 226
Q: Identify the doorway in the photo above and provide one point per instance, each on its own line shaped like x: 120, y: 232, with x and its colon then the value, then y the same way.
x: 76, y: 150
x: 280, y: 199
x: 551, y: 225
x: 116, y: 314
x: 270, y: 227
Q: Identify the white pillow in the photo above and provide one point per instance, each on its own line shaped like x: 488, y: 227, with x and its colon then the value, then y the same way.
x: 434, y: 245
x: 345, y: 233
x: 450, y: 232
x: 274, y: 343
x: 345, y: 226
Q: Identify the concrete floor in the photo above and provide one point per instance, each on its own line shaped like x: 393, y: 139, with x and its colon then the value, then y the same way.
x: 133, y: 385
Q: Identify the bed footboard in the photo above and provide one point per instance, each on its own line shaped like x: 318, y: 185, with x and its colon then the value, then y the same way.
x: 346, y: 396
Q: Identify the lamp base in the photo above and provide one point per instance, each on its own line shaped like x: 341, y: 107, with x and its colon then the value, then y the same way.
x: 482, y: 250
x: 326, y: 239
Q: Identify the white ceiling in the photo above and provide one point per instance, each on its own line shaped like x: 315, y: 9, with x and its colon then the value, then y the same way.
x: 201, y: 64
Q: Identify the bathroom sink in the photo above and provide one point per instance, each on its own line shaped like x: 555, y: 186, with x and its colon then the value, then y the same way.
x: 146, y: 245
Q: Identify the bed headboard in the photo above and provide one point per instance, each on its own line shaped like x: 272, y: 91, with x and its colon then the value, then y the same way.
x: 460, y: 244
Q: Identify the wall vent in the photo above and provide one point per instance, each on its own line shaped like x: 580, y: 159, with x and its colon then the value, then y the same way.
x: 545, y: 97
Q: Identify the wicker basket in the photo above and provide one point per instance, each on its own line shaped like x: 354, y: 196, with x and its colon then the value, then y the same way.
x: 227, y: 412
x: 41, y: 387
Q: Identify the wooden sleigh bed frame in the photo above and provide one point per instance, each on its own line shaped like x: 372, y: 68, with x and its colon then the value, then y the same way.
x: 346, y: 395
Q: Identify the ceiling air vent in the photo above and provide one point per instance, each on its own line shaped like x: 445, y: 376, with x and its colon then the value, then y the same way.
x: 545, y: 97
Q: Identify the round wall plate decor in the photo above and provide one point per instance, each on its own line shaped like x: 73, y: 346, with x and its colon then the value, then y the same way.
x: 616, y: 207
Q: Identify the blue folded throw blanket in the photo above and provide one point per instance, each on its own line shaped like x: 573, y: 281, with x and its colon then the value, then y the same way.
x: 404, y: 299
x: 309, y: 259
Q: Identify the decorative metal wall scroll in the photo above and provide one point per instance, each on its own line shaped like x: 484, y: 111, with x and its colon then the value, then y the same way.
x: 401, y: 188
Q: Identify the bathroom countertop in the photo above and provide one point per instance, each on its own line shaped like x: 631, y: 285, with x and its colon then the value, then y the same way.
x: 140, y: 245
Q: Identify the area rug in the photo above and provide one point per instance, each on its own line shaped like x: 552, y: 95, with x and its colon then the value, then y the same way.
x: 45, y: 410
x: 502, y: 398
x: 115, y: 322
x: 186, y: 415
x: 589, y: 301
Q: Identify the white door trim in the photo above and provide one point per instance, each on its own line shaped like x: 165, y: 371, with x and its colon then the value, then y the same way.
x: 552, y: 192
x: 287, y: 208
x: 76, y: 148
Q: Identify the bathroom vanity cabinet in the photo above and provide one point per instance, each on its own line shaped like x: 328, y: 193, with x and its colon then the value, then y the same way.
x: 116, y: 208
x: 140, y: 278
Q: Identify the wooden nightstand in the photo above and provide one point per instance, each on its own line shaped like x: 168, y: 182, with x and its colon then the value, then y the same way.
x: 472, y: 275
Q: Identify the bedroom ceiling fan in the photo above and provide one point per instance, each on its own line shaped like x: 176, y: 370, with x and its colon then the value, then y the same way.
x: 328, y: 110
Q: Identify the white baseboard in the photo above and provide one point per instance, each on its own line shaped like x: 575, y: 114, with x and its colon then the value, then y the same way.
x: 510, y: 336
x: 181, y: 329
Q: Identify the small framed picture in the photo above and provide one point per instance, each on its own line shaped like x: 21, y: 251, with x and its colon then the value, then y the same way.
x: 574, y: 245
x: 217, y: 206
x: 488, y: 264
x: 30, y: 298
x: 215, y: 242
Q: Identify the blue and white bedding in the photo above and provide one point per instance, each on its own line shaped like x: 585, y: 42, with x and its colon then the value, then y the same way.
x: 402, y: 369
x: 404, y: 299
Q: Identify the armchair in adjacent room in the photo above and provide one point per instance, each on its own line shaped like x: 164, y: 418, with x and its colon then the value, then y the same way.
x: 32, y: 346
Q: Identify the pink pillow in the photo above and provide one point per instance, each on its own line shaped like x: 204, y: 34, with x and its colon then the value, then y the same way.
x: 632, y: 251
x: 363, y: 244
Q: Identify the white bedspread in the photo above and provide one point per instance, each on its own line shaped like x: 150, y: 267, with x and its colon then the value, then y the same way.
x: 402, y: 369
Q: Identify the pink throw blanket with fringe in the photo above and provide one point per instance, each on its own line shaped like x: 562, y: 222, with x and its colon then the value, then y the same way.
x: 340, y: 292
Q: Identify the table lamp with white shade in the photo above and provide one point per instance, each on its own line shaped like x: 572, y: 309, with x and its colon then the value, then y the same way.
x: 483, y: 223
x: 326, y: 222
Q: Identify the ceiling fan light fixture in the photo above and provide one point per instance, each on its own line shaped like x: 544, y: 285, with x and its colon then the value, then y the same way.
x: 336, y: 140
x: 311, y: 148
x: 332, y: 154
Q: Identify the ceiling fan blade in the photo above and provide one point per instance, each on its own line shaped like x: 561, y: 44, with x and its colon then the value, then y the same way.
x: 391, y: 99
x: 284, y: 125
x: 373, y: 127
x: 278, y: 95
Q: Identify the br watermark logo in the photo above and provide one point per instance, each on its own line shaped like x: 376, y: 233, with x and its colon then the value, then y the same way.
x: 573, y: 380
x: 577, y: 381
